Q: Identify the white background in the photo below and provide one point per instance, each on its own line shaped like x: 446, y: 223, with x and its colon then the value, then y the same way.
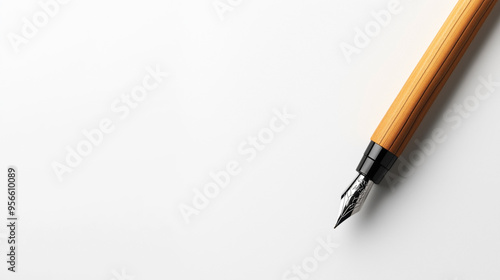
x: 116, y: 215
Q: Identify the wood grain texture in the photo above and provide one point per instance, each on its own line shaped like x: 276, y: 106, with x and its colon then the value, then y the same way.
x: 431, y: 73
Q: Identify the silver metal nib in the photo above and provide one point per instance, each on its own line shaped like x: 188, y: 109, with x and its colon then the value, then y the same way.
x: 353, y: 198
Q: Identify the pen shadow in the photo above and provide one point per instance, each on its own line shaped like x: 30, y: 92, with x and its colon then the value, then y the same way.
x: 388, y: 187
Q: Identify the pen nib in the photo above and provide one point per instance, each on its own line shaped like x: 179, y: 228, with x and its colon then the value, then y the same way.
x: 353, y: 198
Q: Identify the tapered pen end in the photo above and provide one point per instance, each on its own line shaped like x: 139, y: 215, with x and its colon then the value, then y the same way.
x: 353, y: 198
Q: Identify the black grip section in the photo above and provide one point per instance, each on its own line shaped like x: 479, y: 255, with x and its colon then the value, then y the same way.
x: 376, y: 162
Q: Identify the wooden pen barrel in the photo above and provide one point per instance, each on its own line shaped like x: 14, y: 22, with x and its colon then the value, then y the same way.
x: 430, y: 75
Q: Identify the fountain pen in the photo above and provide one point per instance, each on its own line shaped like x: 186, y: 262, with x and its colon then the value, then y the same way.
x: 414, y: 100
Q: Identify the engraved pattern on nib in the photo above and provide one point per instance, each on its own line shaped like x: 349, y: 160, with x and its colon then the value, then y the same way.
x: 353, y: 198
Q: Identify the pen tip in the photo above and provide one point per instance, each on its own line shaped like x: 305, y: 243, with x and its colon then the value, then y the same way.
x: 353, y: 198
x: 339, y: 221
